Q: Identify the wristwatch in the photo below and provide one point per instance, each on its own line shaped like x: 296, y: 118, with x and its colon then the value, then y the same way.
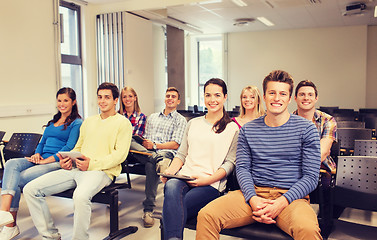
x: 154, y: 146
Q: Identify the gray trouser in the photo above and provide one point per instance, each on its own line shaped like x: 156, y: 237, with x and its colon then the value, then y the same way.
x: 152, y: 179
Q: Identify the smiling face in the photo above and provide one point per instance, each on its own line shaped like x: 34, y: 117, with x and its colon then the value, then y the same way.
x: 171, y: 100
x: 65, y: 104
x: 277, y: 97
x: 128, y: 99
x: 214, y: 98
x: 306, y: 98
x: 105, y: 101
x: 248, y: 100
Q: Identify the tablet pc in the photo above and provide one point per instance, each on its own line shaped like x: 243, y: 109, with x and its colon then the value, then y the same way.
x: 182, y: 177
x: 138, y: 139
x: 72, y: 155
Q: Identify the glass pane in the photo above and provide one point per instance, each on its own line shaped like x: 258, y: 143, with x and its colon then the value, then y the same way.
x: 71, y: 77
x: 210, y: 64
x: 210, y: 60
x: 70, y: 44
x: 201, y: 95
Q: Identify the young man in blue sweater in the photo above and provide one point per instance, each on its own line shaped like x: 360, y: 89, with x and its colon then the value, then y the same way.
x: 277, y: 166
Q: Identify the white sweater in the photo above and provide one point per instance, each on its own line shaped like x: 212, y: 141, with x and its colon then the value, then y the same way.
x: 203, y: 151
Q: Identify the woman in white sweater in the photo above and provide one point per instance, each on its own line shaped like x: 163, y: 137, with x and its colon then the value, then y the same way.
x: 207, y: 154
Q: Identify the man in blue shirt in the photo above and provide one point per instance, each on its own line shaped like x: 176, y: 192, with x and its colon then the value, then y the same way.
x: 163, y: 135
x: 277, y: 166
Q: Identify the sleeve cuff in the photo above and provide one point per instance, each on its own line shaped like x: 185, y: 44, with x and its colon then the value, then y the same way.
x: 288, y: 197
x: 228, y: 167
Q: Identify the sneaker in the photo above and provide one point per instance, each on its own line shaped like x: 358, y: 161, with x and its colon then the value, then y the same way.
x: 9, y: 233
x: 5, y: 218
x: 162, y: 165
x: 148, y: 219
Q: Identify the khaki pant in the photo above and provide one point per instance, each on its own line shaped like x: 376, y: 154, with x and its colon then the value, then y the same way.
x: 298, y: 219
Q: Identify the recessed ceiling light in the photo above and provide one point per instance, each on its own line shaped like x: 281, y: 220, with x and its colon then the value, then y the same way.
x: 265, y: 21
x: 239, y: 3
x: 211, y: 1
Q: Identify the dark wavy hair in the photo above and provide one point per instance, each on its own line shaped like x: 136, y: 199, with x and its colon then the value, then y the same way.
x: 220, y: 125
x: 75, y: 112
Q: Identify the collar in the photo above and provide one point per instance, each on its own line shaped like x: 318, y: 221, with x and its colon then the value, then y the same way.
x: 134, y: 114
x: 171, y: 114
x: 317, y: 116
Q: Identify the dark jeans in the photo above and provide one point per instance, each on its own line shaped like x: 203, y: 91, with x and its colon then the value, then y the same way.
x: 182, y: 202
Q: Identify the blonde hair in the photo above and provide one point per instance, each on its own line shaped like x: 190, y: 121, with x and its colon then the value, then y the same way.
x: 122, y: 108
x: 259, y: 106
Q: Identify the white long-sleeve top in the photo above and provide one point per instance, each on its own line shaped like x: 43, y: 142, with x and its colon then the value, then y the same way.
x: 203, y: 151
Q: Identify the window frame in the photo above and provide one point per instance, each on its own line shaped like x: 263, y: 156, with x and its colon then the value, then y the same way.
x: 73, y: 59
x: 216, y: 37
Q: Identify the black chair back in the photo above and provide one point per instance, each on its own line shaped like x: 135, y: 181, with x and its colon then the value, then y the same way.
x: 355, y: 187
x: 371, y: 122
x: 356, y: 183
x: 196, y: 110
x: 2, y: 133
x: 347, y: 136
x: 350, y: 124
x: 335, y: 150
x: 21, y: 145
x: 232, y: 182
x: 367, y: 113
x: 365, y: 147
x: 344, y: 112
x: 329, y: 110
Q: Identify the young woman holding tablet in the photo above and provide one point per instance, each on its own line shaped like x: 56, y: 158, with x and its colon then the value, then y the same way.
x: 61, y: 134
x: 207, y: 154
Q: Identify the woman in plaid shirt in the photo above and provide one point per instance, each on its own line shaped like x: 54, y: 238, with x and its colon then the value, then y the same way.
x: 129, y: 107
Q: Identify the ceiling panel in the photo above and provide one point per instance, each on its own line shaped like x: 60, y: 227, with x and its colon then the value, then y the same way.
x: 219, y: 17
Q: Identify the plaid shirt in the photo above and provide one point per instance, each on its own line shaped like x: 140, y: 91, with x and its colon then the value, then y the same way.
x: 163, y: 128
x: 138, y: 122
x: 325, y: 123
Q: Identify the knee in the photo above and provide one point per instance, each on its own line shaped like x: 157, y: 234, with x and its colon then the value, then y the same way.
x: 306, y: 230
x: 31, y: 190
x: 207, y: 215
x: 12, y: 164
x: 171, y: 187
x: 80, y: 198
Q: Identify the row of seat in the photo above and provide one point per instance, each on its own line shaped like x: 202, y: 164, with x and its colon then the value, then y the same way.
x: 356, y: 182
x: 24, y: 144
x: 354, y: 186
x: 350, y: 114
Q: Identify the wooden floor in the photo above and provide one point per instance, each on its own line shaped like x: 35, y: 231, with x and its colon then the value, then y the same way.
x: 130, y: 213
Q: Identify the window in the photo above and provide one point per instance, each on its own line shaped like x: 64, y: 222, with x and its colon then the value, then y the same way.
x: 210, y: 63
x: 71, y: 67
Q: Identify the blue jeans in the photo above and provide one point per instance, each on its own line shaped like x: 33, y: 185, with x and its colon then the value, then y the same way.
x: 151, y: 179
x: 87, y: 183
x: 183, y: 202
x: 18, y: 172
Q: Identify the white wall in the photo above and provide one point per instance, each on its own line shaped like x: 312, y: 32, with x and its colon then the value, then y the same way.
x: 27, y: 62
x: 146, y: 76
x: 371, y: 96
x: 160, y: 75
x: 139, y: 72
x: 341, y: 61
x: 335, y: 59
